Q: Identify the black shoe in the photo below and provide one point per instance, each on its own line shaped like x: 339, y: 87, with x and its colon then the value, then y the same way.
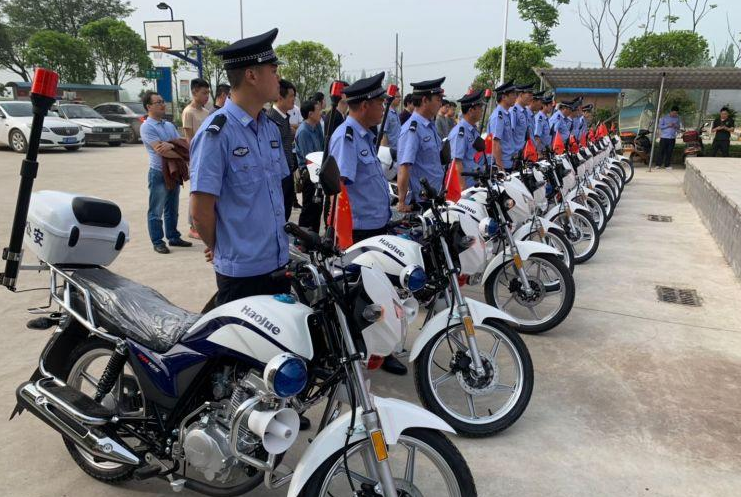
x: 161, y: 249
x: 304, y: 423
x: 392, y: 365
x: 180, y: 243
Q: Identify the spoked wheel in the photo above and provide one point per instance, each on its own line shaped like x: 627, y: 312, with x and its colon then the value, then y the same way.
x: 606, y: 199
x: 86, y: 365
x: 476, y: 405
x: 599, y: 216
x: 556, y: 239
x: 582, y: 233
x: 627, y: 166
x: 614, y: 188
x: 549, y: 300
x: 423, y: 463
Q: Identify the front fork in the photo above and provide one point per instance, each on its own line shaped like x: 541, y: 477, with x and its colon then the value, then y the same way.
x: 516, y: 258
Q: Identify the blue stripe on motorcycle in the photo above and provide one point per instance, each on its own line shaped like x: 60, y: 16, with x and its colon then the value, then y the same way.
x: 216, y: 323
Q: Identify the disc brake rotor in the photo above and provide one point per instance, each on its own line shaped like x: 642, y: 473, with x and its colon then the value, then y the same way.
x: 479, y: 385
x: 528, y: 300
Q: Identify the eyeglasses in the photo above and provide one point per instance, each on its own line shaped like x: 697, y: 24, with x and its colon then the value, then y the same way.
x: 155, y: 102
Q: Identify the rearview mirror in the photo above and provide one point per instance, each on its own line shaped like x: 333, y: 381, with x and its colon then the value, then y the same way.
x: 329, y: 176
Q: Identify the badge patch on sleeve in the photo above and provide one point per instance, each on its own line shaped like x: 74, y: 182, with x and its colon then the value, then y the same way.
x: 364, y: 152
x: 274, y: 143
x: 240, y: 152
x: 427, y: 138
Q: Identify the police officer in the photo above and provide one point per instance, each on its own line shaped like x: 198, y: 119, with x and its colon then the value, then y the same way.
x: 536, y: 103
x: 465, y: 139
x: 420, y: 145
x: 587, y: 115
x: 542, y: 128
x: 392, y: 128
x: 353, y: 147
x: 580, y: 125
x: 500, y: 126
x: 560, y: 121
x: 519, y: 115
x: 237, y: 165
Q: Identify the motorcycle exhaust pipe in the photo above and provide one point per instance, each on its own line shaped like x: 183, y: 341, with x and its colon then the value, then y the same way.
x: 55, y: 415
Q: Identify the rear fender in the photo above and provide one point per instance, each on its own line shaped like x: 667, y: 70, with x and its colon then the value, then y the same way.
x: 396, y: 416
x: 479, y: 313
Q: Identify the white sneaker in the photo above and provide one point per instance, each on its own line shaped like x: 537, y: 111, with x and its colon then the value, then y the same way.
x: 669, y: 168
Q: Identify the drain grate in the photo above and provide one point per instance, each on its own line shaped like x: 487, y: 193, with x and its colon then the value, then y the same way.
x: 659, y: 218
x: 683, y: 296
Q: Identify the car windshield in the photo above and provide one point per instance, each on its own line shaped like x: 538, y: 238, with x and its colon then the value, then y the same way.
x: 18, y: 109
x: 79, y: 112
x: 136, y: 107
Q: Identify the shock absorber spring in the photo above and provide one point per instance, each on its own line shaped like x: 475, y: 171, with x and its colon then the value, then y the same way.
x: 110, y: 375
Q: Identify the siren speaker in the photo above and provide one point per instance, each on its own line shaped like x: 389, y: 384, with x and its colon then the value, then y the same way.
x: 278, y: 429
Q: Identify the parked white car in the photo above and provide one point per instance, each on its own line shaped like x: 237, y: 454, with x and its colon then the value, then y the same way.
x: 15, y: 128
x: 97, y: 128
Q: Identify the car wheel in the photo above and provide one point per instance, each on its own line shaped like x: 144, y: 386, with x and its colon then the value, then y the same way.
x: 114, y: 144
x: 18, y: 141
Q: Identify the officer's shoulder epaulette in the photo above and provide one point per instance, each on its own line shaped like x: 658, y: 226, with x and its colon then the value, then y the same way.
x: 217, y: 124
x: 349, y: 133
x: 461, y: 131
x: 413, y: 126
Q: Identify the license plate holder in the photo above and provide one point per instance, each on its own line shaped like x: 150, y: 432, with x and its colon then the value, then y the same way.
x: 69, y: 139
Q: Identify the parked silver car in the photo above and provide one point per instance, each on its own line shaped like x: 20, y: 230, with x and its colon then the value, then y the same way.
x: 131, y: 113
x: 97, y: 128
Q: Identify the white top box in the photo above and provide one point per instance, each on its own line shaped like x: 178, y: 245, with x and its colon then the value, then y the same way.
x: 69, y: 228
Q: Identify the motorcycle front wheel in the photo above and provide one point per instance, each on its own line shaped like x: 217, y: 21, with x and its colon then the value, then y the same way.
x: 423, y: 463
x: 551, y: 297
x: 582, y: 233
x: 476, y: 406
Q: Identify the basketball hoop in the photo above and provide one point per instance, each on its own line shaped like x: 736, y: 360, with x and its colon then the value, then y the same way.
x: 158, y: 51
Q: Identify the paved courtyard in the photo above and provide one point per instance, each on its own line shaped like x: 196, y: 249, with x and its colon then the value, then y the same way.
x: 633, y: 397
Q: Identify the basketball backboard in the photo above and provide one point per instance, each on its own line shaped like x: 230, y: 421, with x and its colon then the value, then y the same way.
x: 168, y: 35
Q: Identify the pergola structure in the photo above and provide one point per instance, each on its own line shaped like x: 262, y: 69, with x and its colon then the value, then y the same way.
x: 660, y: 78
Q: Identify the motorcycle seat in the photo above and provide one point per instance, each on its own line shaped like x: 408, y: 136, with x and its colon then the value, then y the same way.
x: 130, y: 310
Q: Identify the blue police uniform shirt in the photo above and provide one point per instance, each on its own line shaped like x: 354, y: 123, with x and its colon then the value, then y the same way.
x: 392, y: 128
x: 560, y: 124
x: 355, y: 153
x: 153, y: 131
x: 243, y: 166
x: 542, y: 129
x: 666, y: 127
x: 420, y: 146
x: 500, y: 127
x: 461, y: 140
x: 519, y: 125
x: 580, y: 127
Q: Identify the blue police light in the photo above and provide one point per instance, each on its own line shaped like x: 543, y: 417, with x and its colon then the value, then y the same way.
x: 413, y: 278
x: 488, y: 227
x: 285, y: 375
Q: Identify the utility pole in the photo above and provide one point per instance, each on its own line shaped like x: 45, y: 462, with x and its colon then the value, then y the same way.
x: 504, y: 41
x: 339, y: 66
x: 241, y: 21
x: 401, y: 71
x: 396, y: 58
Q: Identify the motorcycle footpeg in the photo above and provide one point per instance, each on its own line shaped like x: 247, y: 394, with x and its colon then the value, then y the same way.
x: 146, y: 472
x: 42, y: 323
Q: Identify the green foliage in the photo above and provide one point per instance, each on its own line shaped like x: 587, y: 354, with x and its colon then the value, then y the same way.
x: 68, y: 16
x: 68, y: 56
x: 12, y: 50
x: 727, y: 57
x: 522, y: 56
x: 118, y: 51
x: 213, y: 67
x: 680, y: 98
x: 604, y: 115
x: 670, y: 49
x: 543, y: 15
x: 308, y: 65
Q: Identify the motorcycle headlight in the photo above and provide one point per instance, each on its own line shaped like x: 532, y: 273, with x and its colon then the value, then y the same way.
x: 488, y: 227
x: 285, y: 375
x: 413, y: 278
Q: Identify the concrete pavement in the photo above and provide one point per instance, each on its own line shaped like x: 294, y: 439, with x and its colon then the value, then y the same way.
x: 632, y: 396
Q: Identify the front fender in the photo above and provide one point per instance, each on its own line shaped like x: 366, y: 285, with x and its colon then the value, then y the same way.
x: 479, y: 312
x: 525, y: 249
x: 524, y: 230
x: 396, y: 416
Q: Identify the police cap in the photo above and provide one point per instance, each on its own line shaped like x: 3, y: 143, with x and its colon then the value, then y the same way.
x: 525, y: 88
x: 433, y: 86
x: 251, y: 51
x: 507, y: 87
x: 366, y: 89
x: 540, y: 95
x: 473, y: 98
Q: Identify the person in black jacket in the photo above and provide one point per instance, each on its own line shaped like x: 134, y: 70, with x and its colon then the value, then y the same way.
x: 722, y: 128
x: 278, y: 113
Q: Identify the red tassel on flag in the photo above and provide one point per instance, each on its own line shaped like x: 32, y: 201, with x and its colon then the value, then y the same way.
x: 452, y: 184
x: 558, y: 145
x: 342, y: 222
x: 530, y: 153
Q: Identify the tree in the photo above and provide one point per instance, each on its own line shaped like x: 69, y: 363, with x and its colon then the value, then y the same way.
x: 308, y: 65
x: 698, y: 9
x: 118, y: 51
x: 680, y: 99
x: 607, y: 23
x: 213, y: 66
x: 669, y: 18
x: 13, y: 50
x: 733, y: 53
x: 64, y: 54
x: 522, y: 56
x: 670, y: 49
x: 650, y: 25
x: 68, y: 16
x: 543, y: 15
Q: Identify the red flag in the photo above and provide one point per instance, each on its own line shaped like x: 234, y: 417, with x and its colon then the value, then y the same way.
x: 583, y: 141
x: 602, y: 131
x: 452, y: 184
x: 573, y: 146
x: 342, y: 222
x: 558, y: 145
x: 489, y: 144
x: 613, y: 128
x: 530, y: 153
x: 591, y: 135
